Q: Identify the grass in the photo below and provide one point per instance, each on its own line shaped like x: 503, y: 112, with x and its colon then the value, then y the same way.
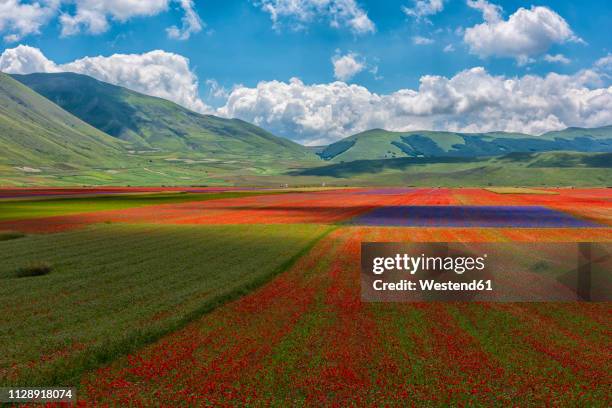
x: 35, y: 133
x: 116, y: 288
x: 38, y: 208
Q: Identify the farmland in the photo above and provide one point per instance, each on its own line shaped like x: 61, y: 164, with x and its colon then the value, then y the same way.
x: 254, y: 298
x: 114, y: 287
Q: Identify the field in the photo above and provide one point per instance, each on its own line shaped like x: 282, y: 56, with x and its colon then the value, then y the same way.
x: 253, y: 298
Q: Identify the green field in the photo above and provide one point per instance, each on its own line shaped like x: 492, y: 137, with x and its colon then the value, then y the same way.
x: 112, y: 289
x: 39, y: 208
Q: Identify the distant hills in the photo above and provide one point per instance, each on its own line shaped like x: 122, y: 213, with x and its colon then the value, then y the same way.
x: 67, y: 129
x: 381, y: 144
x: 514, y: 169
x: 35, y: 132
x: 148, y: 122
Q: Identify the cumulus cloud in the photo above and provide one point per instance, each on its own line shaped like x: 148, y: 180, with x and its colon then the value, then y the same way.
x: 157, y: 73
x: 449, y: 48
x: 19, y: 18
x: 422, y: 9
x: 471, y: 101
x: 527, y: 33
x: 347, y: 66
x: 419, y: 40
x: 558, y: 58
x: 25, y: 60
x: 340, y: 13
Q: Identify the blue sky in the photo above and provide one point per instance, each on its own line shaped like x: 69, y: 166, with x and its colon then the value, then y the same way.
x: 238, y: 44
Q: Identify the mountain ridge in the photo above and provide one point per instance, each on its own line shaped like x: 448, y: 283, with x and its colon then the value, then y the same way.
x: 150, y: 122
x: 375, y: 144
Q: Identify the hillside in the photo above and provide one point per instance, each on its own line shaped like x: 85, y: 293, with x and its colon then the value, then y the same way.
x: 381, y: 144
x: 35, y: 132
x: 514, y: 169
x: 151, y: 123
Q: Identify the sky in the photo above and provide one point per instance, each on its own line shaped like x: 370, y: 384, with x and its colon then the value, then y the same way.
x: 316, y: 71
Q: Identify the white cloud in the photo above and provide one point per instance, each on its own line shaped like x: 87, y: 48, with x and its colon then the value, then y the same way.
x: 25, y: 60
x: 157, y: 73
x: 449, y: 48
x: 215, y: 90
x: 604, y: 64
x: 424, y: 8
x: 18, y: 19
x: 93, y: 15
x: 191, y: 23
x: 347, y: 66
x: 560, y: 58
x: 491, y: 13
x: 301, y: 12
x: 526, y: 33
x: 471, y: 101
x: 418, y: 40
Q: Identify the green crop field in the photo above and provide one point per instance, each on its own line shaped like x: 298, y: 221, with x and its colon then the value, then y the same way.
x: 109, y: 289
x: 25, y: 209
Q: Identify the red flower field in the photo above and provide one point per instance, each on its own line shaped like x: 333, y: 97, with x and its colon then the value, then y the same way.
x: 306, y: 338
x: 319, y: 207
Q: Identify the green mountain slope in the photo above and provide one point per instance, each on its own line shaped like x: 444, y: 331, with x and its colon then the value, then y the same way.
x: 514, y: 169
x: 381, y: 144
x: 151, y: 123
x: 36, y: 132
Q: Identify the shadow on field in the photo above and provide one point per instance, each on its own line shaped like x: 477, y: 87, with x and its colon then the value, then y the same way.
x: 115, y: 288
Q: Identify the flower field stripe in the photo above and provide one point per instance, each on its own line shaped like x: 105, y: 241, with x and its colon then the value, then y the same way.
x: 583, y: 325
x: 243, y: 333
x: 346, y: 353
x: 525, y: 350
x: 556, y: 235
x: 588, y: 361
x: 433, y: 207
x: 256, y: 207
x: 596, y: 316
x: 470, y: 216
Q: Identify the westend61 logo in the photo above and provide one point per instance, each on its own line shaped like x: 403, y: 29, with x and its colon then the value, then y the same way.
x: 531, y: 272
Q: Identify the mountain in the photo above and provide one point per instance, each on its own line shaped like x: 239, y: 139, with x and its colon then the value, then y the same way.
x: 35, y: 132
x: 151, y: 123
x: 381, y: 144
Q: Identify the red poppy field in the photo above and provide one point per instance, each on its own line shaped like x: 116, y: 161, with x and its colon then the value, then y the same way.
x: 295, y: 331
